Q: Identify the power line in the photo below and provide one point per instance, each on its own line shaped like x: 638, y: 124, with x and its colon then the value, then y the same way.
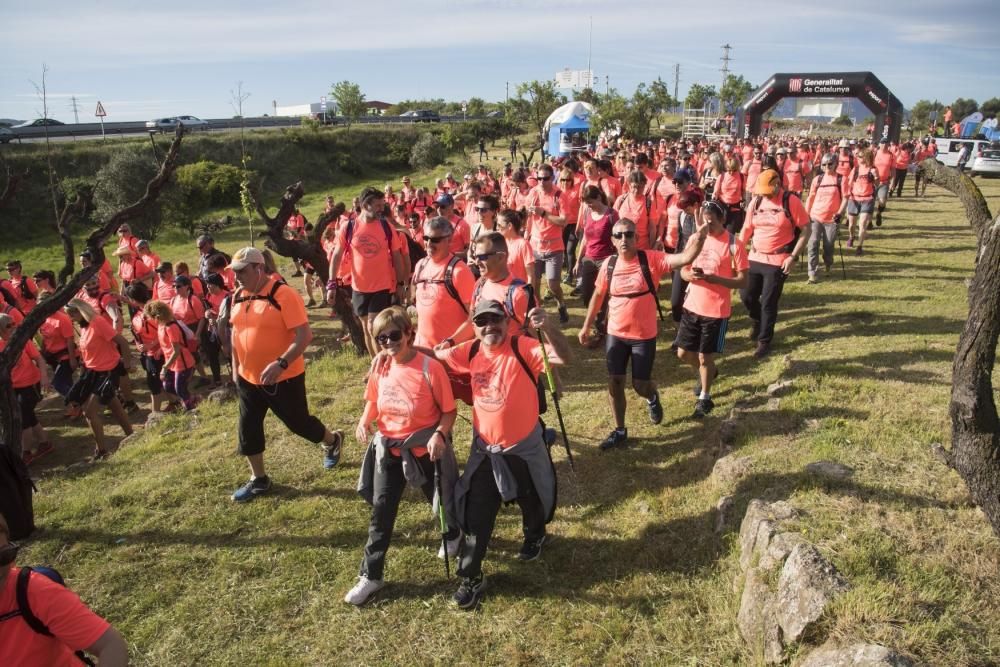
x: 76, y: 111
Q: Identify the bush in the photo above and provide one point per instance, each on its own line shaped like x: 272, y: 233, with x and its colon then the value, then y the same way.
x: 428, y: 152
x: 121, y: 182
x: 207, y: 184
x: 843, y: 121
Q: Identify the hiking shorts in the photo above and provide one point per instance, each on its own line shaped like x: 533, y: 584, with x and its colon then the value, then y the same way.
x: 620, y: 350
x: 882, y: 193
x: 855, y: 207
x: 370, y: 303
x: 705, y: 335
x: 27, y: 399
x: 101, y: 384
x: 551, y: 263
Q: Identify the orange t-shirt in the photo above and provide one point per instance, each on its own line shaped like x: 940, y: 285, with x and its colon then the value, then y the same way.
x: 438, y: 313
x: 56, y: 330
x: 902, y: 158
x: 884, y: 162
x: 99, y: 303
x: 569, y: 204
x: 127, y: 241
x: 729, y: 188
x: 825, y: 198
x: 169, y: 335
x: 405, y: 403
x: 461, y: 235
x: 74, y: 626
x: 504, y: 398
x: 372, y: 269
x: 544, y: 236
x: 715, y: 259
x: 634, y: 208
x: 770, y: 229
x: 24, y: 304
x: 25, y: 373
x: 791, y: 176
x: 497, y: 291
x: 165, y: 291
x: 188, y: 310
x: 98, y: 350
x: 519, y: 258
x: 146, y: 333
x: 633, y: 318
x: 262, y: 333
x: 11, y: 309
x: 862, y: 180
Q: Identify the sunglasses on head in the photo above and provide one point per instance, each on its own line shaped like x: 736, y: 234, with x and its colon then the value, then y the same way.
x: 391, y: 337
x: 435, y: 239
x: 487, y: 319
x: 623, y: 235
x: 8, y: 553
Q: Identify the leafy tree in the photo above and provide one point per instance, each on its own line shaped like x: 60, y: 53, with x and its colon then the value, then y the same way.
x: 962, y: 107
x: 843, y: 120
x: 734, y: 92
x: 588, y: 95
x: 662, y: 99
x: 920, y: 114
x: 990, y: 107
x: 535, y: 101
x: 699, y: 95
x: 641, y: 109
x: 476, y: 106
x: 350, y: 100
x: 428, y: 152
x: 611, y: 112
x: 122, y: 181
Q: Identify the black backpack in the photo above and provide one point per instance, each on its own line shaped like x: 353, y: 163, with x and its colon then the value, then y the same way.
x: 796, y: 230
x: 24, y: 609
x: 543, y: 405
x: 508, y: 302
x: 16, y: 488
x: 449, y: 284
x: 241, y: 296
x: 646, y: 275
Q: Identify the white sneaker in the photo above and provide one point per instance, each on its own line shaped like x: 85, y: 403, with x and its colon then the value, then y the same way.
x: 363, y: 590
x: 452, y: 548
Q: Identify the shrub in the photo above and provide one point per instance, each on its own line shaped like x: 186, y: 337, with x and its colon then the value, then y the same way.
x: 427, y: 153
x: 844, y: 121
x: 121, y: 182
x: 206, y: 184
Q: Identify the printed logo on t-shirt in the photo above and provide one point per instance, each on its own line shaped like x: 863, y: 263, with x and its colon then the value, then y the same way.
x: 709, y: 261
x: 488, y: 391
x: 629, y: 283
x: 428, y: 293
x: 366, y: 244
x: 394, y: 401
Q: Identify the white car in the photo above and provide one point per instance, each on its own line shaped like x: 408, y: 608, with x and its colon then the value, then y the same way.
x: 170, y: 124
x: 986, y: 163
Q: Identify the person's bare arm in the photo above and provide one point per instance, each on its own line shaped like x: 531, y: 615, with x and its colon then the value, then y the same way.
x: 110, y: 649
x: 124, y: 350
x: 303, y: 336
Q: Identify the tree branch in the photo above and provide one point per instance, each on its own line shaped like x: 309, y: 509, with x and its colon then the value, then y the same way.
x: 71, y: 210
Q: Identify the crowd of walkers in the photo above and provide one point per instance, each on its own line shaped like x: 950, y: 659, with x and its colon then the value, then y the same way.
x: 446, y: 283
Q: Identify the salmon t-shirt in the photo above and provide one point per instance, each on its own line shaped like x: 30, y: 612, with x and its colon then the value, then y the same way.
x: 25, y: 373
x: 716, y: 259
x: 98, y: 350
x: 634, y: 208
x: 370, y: 256
x: 438, y: 313
x: 769, y: 228
x: 545, y: 236
x: 262, y: 333
x: 862, y: 180
x: 729, y: 188
x: 406, y: 404
x: 884, y: 162
x: 519, y: 258
x: 188, y: 310
x: 633, y: 318
x: 146, y: 333
x: 56, y: 330
x: 169, y: 335
x: 491, y: 290
x: 825, y: 198
x: 74, y: 626
x: 504, y: 398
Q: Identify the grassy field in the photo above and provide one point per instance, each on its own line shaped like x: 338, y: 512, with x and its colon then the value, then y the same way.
x: 636, y: 573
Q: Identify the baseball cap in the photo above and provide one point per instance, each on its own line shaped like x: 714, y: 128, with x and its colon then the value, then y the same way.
x: 444, y: 200
x: 489, y: 306
x: 182, y: 281
x: 683, y: 176
x: 164, y: 267
x: 767, y: 183
x: 215, y: 279
x: 244, y: 257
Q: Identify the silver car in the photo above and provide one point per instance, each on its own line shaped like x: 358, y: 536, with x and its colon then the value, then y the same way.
x: 170, y: 124
x: 986, y: 163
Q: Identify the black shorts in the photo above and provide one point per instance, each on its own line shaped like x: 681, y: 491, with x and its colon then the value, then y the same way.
x: 642, y: 352
x: 370, y: 303
x: 27, y: 399
x: 153, y: 366
x: 706, y: 335
x: 102, y: 384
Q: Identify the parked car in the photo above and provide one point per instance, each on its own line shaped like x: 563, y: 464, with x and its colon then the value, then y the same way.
x: 39, y: 122
x: 986, y: 163
x: 170, y: 124
x: 5, y: 135
x: 948, y: 150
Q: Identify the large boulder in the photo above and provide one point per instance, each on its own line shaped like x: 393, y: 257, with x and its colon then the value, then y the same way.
x: 808, y: 583
x: 757, y: 619
x: 855, y: 655
x: 731, y: 468
x: 760, y: 524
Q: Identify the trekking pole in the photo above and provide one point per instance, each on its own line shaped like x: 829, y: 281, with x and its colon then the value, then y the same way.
x: 555, y: 398
x: 441, y: 518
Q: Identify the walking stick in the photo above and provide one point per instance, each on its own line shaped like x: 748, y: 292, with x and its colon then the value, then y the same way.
x: 443, y: 521
x: 555, y: 398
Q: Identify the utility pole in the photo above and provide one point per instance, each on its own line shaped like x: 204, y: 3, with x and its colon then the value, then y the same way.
x: 607, y: 84
x: 725, y: 63
x: 677, y: 78
x: 76, y: 110
x: 590, y: 51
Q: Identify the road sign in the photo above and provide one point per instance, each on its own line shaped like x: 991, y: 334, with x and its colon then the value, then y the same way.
x: 322, y: 103
x: 100, y: 112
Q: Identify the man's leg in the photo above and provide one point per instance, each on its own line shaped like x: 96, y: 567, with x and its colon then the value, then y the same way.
x: 772, y: 284
x: 252, y: 410
x: 532, y: 510
x: 812, y: 249
x: 829, y: 231
x: 481, y: 506
x: 750, y: 295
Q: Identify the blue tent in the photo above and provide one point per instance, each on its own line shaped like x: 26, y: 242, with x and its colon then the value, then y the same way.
x: 559, y: 143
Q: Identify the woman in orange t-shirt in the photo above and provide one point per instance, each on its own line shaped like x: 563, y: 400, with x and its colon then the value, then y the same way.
x: 105, y: 355
x: 30, y: 377
x: 178, y: 360
x: 407, y: 421
x: 520, y: 258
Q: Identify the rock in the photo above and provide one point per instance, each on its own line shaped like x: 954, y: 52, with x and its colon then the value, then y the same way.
x: 807, y: 584
x: 855, y: 655
x: 779, y: 388
x: 757, y: 619
x: 722, y: 507
x: 221, y: 395
x: 778, y: 549
x: 730, y: 468
x: 728, y: 430
x: 773, y: 404
x: 829, y: 469
x: 804, y: 367
x: 154, y: 418
x: 759, y: 525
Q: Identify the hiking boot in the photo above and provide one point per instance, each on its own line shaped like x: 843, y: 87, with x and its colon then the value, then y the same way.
x: 878, y: 219
x: 331, y: 453
x: 702, y: 407
x: 617, y: 438
x: 470, y: 592
x: 655, y: 409
x: 697, y: 385
x: 763, y: 349
x: 363, y: 590
x: 754, y: 330
x: 255, y: 487
x: 531, y: 549
x: 452, y: 547
x: 563, y: 314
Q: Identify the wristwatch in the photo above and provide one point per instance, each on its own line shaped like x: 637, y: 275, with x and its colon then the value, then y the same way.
x: 282, y: 362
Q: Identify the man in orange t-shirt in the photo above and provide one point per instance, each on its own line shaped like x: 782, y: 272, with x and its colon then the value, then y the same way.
x: 544, y: 230
x: 884, y: 164
x: 442, y: 286
x: 628, y: 282
x: 270, y: 332
x: 826, y: 205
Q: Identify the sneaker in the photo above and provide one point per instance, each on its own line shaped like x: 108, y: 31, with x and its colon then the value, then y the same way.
x: 470, y: 592
x: 297, y: 274
x: 697, y: 385
x: 452, y: 548
x: 850, y: 241
x: 859, y: 251
x: 617, y: 437
x: 702, y: 407
x: 101, y: 454
x: 568, y: 280
x: 812, y: 280
x: 878, y: 219
x: 363, y: 590
x: 531, y: 549
x: 655, y: 409
x: 763, y: 349
x: 563, y: 315
x: 331, y: 453
x: 255, y: 487
x: 311, y: 303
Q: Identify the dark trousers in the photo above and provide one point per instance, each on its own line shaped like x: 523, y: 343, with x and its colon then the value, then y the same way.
x: 209, y: 344
x: 387, y: 492
x: 288, y: 402
x: 678, y: 288
x: 482, y: 504
x: 570, y: 241
x: 62, y: 377
x: 897, y: 182
x: 761, y: 297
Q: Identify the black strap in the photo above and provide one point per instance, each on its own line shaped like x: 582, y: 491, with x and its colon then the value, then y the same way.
x: 385, y: 228
x: 647, y: 276
x: 447, y: 281
x: 241, y: 296
x: 24, y: 609
x: 476, y: 344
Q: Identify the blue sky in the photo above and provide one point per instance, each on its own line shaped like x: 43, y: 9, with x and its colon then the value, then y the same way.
x: 145, y: 60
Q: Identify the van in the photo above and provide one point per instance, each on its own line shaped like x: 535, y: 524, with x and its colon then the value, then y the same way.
x: 948, y: 150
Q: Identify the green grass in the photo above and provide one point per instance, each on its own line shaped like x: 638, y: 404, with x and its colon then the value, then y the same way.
x: 636, y: 573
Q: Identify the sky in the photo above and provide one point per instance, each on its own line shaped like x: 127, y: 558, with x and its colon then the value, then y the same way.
x: 147, y: 60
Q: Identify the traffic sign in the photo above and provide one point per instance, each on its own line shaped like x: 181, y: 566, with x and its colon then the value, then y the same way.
x: 100, y: 113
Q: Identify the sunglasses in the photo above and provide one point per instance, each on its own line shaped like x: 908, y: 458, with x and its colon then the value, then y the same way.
x: 826, y: 164
x: 435, y: 239
x: 483, y: 209
x: 485, y: 256
x: 487, y: 319
x: 544, y: 178
x: 8, y: 553
x: 623, y: 235
x: 391, y: 337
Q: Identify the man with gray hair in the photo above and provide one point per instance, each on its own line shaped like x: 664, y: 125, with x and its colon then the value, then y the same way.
x: 825, y: 205
x: 441, y: 287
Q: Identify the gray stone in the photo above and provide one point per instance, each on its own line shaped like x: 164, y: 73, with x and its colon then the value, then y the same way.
x: 830, y: 469
x: 154, y: 418
x: 808, y: 583
x: 773, y: 404
x: 221, y: 395
x: 759, y: 526
x: 855, y: 655
x: 777, y: 550
x: 723, y: 508
x: 729, y: 429
x: 730, y: 468
x: 779, y: 388
x: 756, y: 619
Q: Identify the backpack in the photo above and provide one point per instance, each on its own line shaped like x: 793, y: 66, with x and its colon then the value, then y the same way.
x: 26, y: 292
x: 385, y: 228
x: 647, y: 276
x: 652, y: 194
x: 508, y: 301
x: 240, y: 296
x: 16, y: 488
x: 24, y: 609
x: 190, y: 340
x: 449, y: 284
x: 515, y: 347
x: 8, y: 296
x: 839, y: 186
x: 796, y: 231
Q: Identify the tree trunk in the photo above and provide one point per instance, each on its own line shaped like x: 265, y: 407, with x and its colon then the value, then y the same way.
x: 10, y: 416
x: 11, y: 187
x: 75, y: 209
x: 975, y: 427
x: 309, y: 251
